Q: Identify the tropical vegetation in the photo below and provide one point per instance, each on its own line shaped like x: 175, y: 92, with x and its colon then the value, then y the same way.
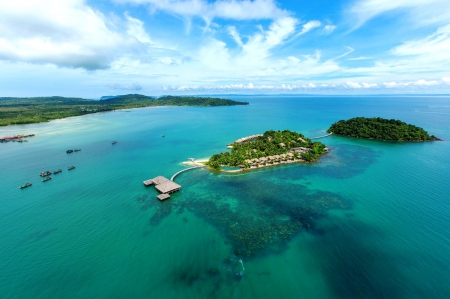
x: 42, y: 109
x: 270, y: 144
x: 380, y: 128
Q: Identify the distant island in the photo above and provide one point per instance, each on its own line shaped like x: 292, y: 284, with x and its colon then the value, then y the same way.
x: 270, y: 148
x: 15, y: 111
x: 381, y: 129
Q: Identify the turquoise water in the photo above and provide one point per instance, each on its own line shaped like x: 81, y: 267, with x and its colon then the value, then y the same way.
x: 371, y: 220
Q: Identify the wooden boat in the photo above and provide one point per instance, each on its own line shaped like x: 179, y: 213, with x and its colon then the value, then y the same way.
x: 57, y: 171
x: 45, y: 173
x: 46, y: 179
x: 69, y: 151
x: 77, y: 150
x: 25, y: 186
x: 114, y: 142
x: 71, y: 167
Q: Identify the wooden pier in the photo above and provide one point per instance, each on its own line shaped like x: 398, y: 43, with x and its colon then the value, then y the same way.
x: 186, y: 169
x: 166, y: 186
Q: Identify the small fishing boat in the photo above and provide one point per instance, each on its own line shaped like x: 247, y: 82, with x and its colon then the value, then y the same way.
x: 45, y: 173
x: 114, y: 142
x: 57, y: 171
x: 71, y: 167
x: 69, y: 151
x: 46, y: 179
x: 25, y: 186
x: 77, y: 150
x: 162, y: 135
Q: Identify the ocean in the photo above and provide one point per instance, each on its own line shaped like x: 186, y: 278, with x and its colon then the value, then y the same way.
x: 371, y: 219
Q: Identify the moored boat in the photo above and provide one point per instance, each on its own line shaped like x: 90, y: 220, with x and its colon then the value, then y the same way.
x: 77, y: 150
x: 45, y: 173
x: 71, y: 167
x: 25, y: 186
x: 114, y: 142
x: 46, y: 179
x: 57, y: 171
x: 69, y: 151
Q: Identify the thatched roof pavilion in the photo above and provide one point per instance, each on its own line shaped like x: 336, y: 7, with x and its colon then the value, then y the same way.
x: 159, y: 180
x: 168, y: 187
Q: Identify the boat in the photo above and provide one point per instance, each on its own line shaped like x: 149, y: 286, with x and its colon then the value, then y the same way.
x: 162, y: 135
x: 25, y: 186
x: 46, y: 179
x: 57, y: 171
x: 114, y: 142
x: 71, y: 167
x: 77, y: 150
x: 45, y: 173
x: 69, y: 151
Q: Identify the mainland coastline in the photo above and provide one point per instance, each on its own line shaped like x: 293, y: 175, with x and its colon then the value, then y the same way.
x: 15, y: 111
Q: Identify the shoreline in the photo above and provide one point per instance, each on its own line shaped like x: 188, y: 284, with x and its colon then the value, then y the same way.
x: 201, y: 162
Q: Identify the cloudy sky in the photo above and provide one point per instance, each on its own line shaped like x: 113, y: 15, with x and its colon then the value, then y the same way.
x: 90, y: 48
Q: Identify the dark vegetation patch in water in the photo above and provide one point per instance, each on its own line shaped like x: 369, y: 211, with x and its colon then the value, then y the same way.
x: 259, y: 213
x: 207, y: 281
x: 255, y: 214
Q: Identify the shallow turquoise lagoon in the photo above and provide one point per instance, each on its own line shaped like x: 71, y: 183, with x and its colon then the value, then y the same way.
x: 371, y: 220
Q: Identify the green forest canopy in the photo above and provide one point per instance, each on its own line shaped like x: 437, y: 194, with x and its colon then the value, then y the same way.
x: 379, y: 128
x: 270, y: 144
x: 42, y: 109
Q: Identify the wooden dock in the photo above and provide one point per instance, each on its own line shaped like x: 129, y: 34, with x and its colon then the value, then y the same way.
x: 163, y: 196
x: 166, y: 186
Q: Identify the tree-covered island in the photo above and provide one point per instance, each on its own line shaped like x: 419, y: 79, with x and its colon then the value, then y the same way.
x: 272, y: 147
x: 15, y: 111
x: 380, y: 128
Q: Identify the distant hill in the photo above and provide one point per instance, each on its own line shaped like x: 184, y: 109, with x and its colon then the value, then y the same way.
x: 107, y: 97
x: 42, y: 109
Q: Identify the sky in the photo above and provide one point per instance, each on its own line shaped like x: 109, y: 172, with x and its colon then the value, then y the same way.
x: 91, y: 48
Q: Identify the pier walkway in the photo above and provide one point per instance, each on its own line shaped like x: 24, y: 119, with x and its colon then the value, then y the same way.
x: 186, y: 169
x: 321, y: 136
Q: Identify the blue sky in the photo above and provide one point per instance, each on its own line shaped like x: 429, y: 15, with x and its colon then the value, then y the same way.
x: 90, y: 48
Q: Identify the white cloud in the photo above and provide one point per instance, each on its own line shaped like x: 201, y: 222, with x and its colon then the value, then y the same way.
x: 65, y: 33
x: 227, y: 9
x: 310, y: 26
x: 360, y: 58
x: 369, y: 85
x: 356, y: 85
x: 423, y: 82
x: 233, y: 32
x: 437, y: 44
x: 136, y: 29
x: 259, y: 45
x: 132, y: 87
x: 328, y: 29
x: 396, y: 85
x: 420, y: 12
x: 446, y: 80
x: 351, y: 84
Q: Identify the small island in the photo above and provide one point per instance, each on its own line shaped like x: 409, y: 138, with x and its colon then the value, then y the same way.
x: 380, y: 129
x: 270, y: 148
x: 14, y: 111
